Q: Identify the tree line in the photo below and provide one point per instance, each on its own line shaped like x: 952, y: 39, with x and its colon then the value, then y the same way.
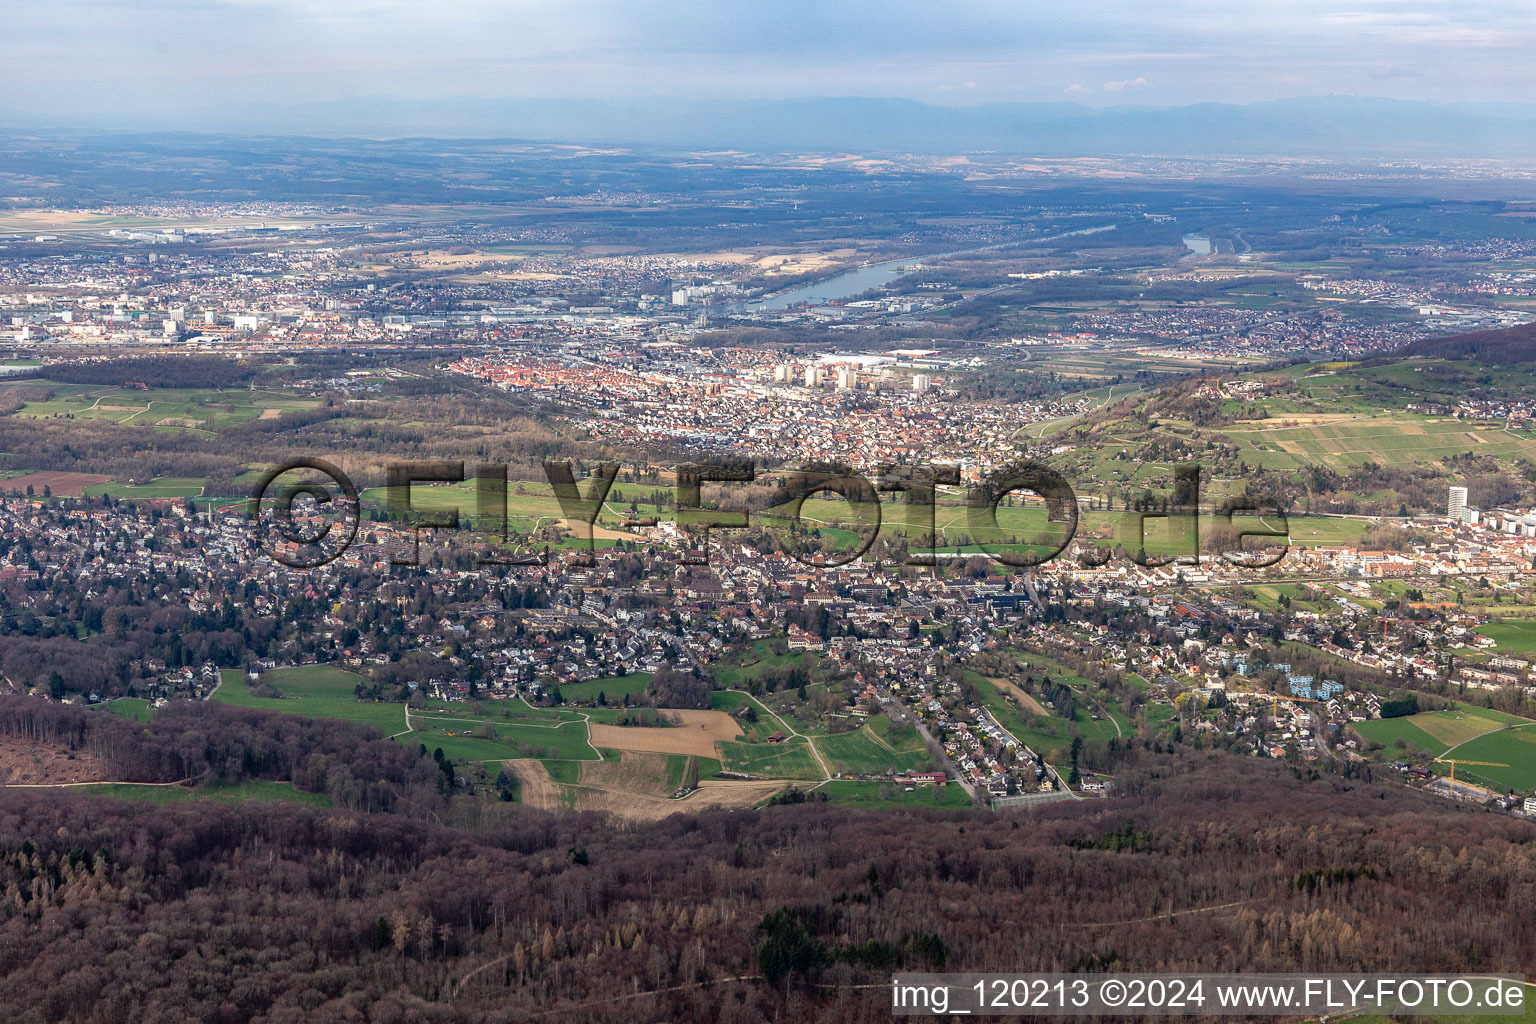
x: 280, y: 913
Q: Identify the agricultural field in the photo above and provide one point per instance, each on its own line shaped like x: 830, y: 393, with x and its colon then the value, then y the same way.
x: 698, y: 733
x: 579, y: 748
x: 482, y: 732
x: 1464, y: 723
x: 529, y: 507
x: 63, y: 485
x: 633, y: 771
x: 1386, y: 439
x: 160, y: 487
x: 570, y: 771
x: 1436, y: 731
x: 206, y: 410
x: 1400, y: 736
x: 636, y: 787
x: 1525, y: 1016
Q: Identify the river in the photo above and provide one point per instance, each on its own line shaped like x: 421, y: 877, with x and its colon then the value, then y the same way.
x: 855, y: 282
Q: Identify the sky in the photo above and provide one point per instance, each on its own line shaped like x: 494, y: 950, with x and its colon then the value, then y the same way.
x: 81, y: 58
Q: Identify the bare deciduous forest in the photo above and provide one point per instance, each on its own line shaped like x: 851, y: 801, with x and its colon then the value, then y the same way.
x: 277, y: 913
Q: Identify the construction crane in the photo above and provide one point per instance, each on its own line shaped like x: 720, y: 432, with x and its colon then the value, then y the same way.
x: 1275, y: 699
x: 1454, y: 761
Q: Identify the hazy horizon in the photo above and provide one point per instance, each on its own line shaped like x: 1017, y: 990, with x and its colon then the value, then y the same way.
x: 152, y: 61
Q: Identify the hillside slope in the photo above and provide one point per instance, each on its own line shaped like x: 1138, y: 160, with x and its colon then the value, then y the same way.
x: 281, y: 913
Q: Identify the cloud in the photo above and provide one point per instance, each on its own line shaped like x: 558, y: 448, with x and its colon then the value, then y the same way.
x: 78, y: 56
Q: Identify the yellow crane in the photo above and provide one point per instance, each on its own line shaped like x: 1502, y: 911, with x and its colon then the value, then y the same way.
x: 1454, y: 761
x: 1275, y: 700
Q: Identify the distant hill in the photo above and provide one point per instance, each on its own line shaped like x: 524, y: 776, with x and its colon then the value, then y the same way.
x: 1509, y: 347
x: 1349, y: 128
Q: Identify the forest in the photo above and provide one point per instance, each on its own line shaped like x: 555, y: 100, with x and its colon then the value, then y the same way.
x: 278, y: 913
x: 1510, y: 347
x: 214, y: 743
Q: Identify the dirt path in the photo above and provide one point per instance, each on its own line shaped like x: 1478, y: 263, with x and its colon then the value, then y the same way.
x: 791, y: 731
x: 408, y: 727
x: 103, y: 782
x: 148, y: 407
x: 1164, y: 916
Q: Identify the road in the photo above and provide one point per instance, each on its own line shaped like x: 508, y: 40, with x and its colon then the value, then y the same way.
x: 897, y: 712
x: 1061, y: 784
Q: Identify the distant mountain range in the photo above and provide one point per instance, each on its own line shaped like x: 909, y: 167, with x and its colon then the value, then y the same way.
x: 1334, y: 127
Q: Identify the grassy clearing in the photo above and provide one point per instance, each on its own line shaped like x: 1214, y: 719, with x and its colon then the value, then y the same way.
x: 569, y: 771
x: 1515, y: 747
x: 889, y: 794
x: 1514, y: 636
x: 791, y: 759
x: 759, y: 660
x: 613, y: 689
x: 1025, y: 528
x: 1047, y: 735
x: 253, y: 789
x: 198, y: 409
x: 463, y: 741
x: 1401, y: 736
x: 1434, y: 732
x: 316, y: 691
x: 159, y: 487
x: 135, y: 708
x: 863, y: 752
